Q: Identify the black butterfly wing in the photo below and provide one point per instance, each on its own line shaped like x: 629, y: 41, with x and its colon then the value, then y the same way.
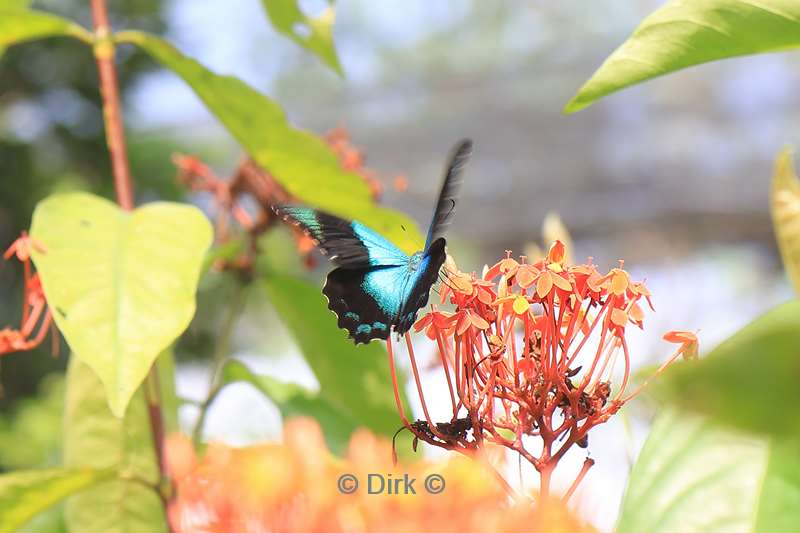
x: 366, y: 300
x: 445, y: 206
x: 348, y: 244
x: 370, y: 302
x: 416, y: 296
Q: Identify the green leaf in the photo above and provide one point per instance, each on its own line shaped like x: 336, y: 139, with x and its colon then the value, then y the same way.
x: 355, y: 380
x: 750, y: 380
x: 299, y: 160
x: 20, y: 25
x: 785, y: 207
x: 293, y: 400
x: 95, y: 438
x: 24, y: 495
x: 312, y: 33
x: 121, y: 285
x: 695, y: 476
x: 684, y: 33
x: 14, y: 4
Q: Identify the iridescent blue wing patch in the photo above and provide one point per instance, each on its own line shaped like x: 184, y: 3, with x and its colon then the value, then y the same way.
x: 348, y: 244
x: 370, y: 302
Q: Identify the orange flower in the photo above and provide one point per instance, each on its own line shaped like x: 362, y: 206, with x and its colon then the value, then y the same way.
x: 688, y: 341
x: 298, y: 487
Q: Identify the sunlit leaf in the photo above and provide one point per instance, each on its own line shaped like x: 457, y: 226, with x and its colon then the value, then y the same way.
x: 24, y: 494
x: 313, y: 33
x: 14, y: 4
x: 294, y: 400
x: 121, y: 285
x: 785, y: 206
x: 749, y: 381
x: 355, y: 380
x: 299, y: 160
x: 95, y: 438
x: 19, y: 25
x: 683, y: 33
x: 695, y: 476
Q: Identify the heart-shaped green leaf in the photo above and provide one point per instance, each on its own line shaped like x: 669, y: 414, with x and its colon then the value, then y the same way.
x: 683, y: 33
x: 121, y: 285
x: 695, y: 476
x: 785, y: 207
x: 312, y: 33
x: 25, y: 494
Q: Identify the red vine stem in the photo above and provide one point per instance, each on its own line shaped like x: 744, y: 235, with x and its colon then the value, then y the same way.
x: 104, y: 53
x: 115, y: 135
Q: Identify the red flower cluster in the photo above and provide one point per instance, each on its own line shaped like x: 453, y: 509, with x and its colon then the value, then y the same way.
x: 530, y: 354
x: 35, y: 313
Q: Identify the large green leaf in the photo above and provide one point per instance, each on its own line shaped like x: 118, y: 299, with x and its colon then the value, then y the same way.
x: 294, y: 400
x: 355, y: 380
x: 25, y: 494
x: 121, y: 285
x: 18, y: 25
x: 695, y: 476
x: 313, y: 33
x: 14, y: 4
x: 750, y: 380
x: 785, y: 207
x: 95, y: 438
x: 683, y: 33
x: 302, y: 163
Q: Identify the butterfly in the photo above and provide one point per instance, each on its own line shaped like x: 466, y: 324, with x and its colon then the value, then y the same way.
x: 377, y: 288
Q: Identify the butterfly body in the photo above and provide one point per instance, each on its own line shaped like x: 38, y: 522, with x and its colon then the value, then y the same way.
x: 377, y: 288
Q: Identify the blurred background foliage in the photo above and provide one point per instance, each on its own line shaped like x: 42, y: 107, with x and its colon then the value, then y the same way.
x: 671, y: 175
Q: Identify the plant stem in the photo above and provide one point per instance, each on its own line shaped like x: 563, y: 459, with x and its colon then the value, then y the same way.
x: 104, y: 53
x: 112, y: 114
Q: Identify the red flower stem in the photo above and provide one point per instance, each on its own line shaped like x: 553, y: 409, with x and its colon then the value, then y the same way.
x: 514, y: 351
x: 26, y: 277
x: 413, y: 360
x: 446, y: 369
x: 104, y: 53
x: 399, y: 403
x: 587, y: 464
x: 627, y: 373
x: 588, y: 333
x: 668, y: 362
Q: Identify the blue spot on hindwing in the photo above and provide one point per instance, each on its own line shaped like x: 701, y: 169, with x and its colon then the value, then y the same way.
x: 352, y: 316
x: 363, y: 329
x: 379, y: 326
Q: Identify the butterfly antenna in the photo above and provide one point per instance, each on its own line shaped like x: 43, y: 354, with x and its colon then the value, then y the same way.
x: 394, y: 444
